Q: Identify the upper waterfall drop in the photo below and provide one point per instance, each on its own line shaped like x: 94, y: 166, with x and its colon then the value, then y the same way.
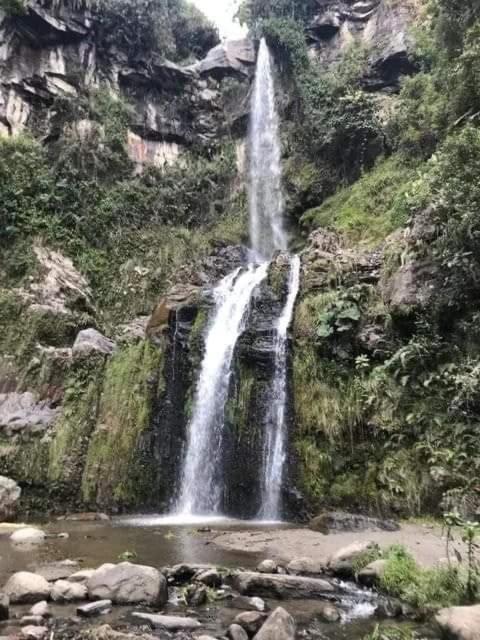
x: 267, y: 231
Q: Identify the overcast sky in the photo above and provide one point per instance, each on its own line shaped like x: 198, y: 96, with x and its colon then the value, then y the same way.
x: 221, y: 12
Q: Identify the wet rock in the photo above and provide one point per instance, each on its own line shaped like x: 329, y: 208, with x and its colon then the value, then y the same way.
x: 280, y: 586
x: 211, y: 578
x: 236, y: 632
x: 279, y: 626
x: 181, y: 573
x: 389, y: 608
x: 93, y: 609
x: 304, y: 566
x: 460, y: 623
x: 91, y: 341
x: 251, y: 621
x: 4, y: 606
x: 196, y: 595
x: 329, y: 613
x: 66, y: 591
x: 25, y: 587
x: 82, y: 576
x: 244, y: 602
x: 86, y: 516
x: 27, y: 536
x: 10, y: 494
x: 170, y: 623
x: 372, y: 573
x: 57, y: 570
x: 24, y: 413
x: 40, y: 609
x: 128, y: 583
x: 332, y: 521
x: 32, y: 632
x: 341, y: 562
x: 267, y: 566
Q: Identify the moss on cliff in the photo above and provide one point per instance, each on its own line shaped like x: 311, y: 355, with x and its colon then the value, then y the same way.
x: 118, y: 465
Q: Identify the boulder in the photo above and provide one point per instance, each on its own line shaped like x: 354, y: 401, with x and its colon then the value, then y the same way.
x: 305, y: 567
x: 170, y: 623
x: 66, y: 591
x: 211, y: 578
x: 251, y: 621
x: 40, y: 609
x: 236, y: 632
x: 91, y: 341
x: 57, y: 570
x: 332, y: 521
x: 27, y: 536
x: 93, y: 609
x: 460, y: 623
x: 342, y: 561
x: 279, y: 626
x: 280, y: 586
x: 372, y: 573
x: 23, y: 413
x: 128, y: 583
x: 267, y: 566
x: 232, y: 57
x: 9, y: 496
x: 32, y: 632
x: 24, y: 587
x: 4, y: 606
x: 181, y: 573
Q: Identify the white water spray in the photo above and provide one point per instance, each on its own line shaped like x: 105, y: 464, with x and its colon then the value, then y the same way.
x: 276, y: 423
x: 267, y: 233
x: 201, y: 488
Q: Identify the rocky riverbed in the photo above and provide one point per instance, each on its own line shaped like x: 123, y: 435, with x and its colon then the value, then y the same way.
x: 107, y: 580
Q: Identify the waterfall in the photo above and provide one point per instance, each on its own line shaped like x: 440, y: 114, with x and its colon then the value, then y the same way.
x: 201, y: 488
x: 266, y: 200
x: 276, y: 424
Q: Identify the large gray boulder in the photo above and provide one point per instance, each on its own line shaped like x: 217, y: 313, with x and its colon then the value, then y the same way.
x: 25, y: 587
x: 279, y: 626
x: 27, y: 536
x: 342, y: 521
x: 10, y: 494
x: 230, y: 57
x: 23, y: 413
x: 127, y: 583
x: 91, y: 341
x: 460, y: 623
x: 342, y: 561
x: 280, y: 586
x: 66, y: 591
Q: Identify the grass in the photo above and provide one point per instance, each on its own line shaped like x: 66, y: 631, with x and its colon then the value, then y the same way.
x: 372, y: 208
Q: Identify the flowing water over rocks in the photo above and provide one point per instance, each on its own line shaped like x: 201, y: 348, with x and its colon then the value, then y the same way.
x: 201, y: 490
x: 275, y: 437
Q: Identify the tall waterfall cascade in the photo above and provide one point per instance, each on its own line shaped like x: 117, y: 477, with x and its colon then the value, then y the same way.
x: 201, y: 488
x: 267, y: 231
x: 276, y: 424
x: 202, y: 484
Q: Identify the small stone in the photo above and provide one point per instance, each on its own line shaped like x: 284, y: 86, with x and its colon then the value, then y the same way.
x: 4, y: 606
x: 66, y: 591
x: 236, y: 632
x: 27, y: 536
x: 196, y: 595
x: 389, y: 608
x: 251, y: 621
x: 91, y: 341
x: 40, y: 609
x: 372, y: 573
x: 94, y: 608
x: 170, y: 623
x: 329, y: 613
x: 267, y: 566
x: 244, y: 602
x: 25, y: 587
x: 81, y: 576
x: 32, y: 632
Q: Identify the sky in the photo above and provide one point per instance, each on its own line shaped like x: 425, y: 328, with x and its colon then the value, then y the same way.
x: 221, y: 12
